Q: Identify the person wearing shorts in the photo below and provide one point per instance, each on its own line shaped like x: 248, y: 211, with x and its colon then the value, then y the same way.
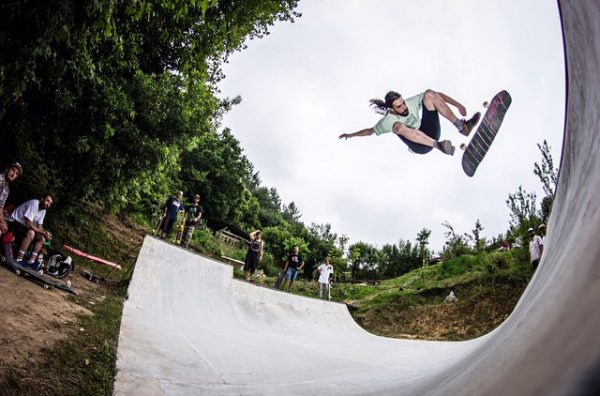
x: 416, y: 120
x: 170, y: 211
x: 254, y: 255
x: 293, y: 264
x: 26, y: 222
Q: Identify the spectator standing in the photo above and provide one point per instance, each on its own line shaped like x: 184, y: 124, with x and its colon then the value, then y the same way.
x: 172, y: 207
x: 325, y: 273
x: 293, y: 264
x: 193, y: 214
x: 536, y: 248
x: 254, y: 255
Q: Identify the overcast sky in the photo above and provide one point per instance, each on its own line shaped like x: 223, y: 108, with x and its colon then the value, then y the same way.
x: 308, y: 82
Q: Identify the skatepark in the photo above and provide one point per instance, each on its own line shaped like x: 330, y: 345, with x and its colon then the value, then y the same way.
x: 189, y: 328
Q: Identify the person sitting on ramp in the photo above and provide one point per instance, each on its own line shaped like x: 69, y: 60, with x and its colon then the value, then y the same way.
x: 416, y: 120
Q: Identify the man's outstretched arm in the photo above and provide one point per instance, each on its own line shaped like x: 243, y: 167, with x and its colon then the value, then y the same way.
x: 461, y: 109
x: 362, y: 132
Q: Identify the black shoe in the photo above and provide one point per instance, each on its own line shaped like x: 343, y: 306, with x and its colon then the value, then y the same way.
x: 446, y: 147
x: 469, y: 124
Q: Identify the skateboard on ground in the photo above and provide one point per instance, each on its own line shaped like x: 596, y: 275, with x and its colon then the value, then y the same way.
x: 31, y: 274
x: 481, y: 141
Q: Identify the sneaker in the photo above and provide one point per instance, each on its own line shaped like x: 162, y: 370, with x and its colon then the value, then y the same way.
x: 20, y: 263
x: 469, y: 124
x: 446, y: 147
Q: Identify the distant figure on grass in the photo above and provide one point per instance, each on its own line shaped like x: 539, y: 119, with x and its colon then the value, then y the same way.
x: 11, y: 172
x: 171, y: 208
x: 536, y: 248
x: 325, y: 273
x: 193, y: 215
x: 254, y: 255
x: 27, y: 222
x: 293, y: 264
x: 416, y: 120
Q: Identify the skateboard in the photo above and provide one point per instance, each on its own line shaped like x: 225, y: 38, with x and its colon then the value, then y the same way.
x: 162, y: 218
x: 180, y: 229
x: 279, y: 280
x: 31, y: 274
x: 481, y: 141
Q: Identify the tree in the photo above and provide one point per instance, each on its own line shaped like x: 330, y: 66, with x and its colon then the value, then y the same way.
x: 364, y: 257
x: 478, y: 241
x: 523, y: 213
x: 548, y: 175
x: 422, y: 241
x: 100, y: 99
x: 455, y: 244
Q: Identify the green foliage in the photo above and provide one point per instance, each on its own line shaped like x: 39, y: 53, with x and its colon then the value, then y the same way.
x: 456, y: 244
x: 100, y: 100
x: 206, y: 241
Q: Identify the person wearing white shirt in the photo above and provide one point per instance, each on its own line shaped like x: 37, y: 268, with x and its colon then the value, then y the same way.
x: 27, y: 221
x: 536, y: 248
x: 325, y: 272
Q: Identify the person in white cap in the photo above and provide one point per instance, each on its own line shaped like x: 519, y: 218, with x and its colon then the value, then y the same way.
x: 11, y: 172
x: 536, y: 248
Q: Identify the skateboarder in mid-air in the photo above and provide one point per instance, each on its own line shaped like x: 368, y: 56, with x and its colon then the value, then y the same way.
x: 416, y: 120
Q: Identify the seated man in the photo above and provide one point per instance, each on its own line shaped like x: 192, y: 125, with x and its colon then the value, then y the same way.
x: 26, y: 222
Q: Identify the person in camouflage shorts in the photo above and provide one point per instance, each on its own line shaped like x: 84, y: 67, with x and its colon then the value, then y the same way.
x: 193, y: 214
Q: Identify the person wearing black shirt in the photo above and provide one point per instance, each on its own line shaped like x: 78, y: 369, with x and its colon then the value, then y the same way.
x: 293, y: 264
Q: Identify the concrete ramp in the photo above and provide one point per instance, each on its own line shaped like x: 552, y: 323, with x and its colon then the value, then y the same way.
x: 188, y: 328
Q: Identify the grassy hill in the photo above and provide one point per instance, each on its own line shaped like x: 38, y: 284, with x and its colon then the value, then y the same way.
x: 487, y: 287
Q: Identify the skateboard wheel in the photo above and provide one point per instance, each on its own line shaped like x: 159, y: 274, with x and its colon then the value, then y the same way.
x: 463, y: 146
x: 68, y: 283
x: 18, y: 272
x: 46, y: 287
x: 486, y: 104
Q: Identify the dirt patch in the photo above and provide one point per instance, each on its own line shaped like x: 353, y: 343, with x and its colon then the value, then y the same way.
x: 478, y: 311
x: 32, y: 318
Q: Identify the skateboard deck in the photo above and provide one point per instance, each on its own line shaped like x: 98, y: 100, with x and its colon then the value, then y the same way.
x: 33, y: 275
x: 486, y: 132
x: 180, y: 230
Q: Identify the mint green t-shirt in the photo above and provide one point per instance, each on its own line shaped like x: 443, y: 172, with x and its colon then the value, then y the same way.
x: 412, y: 120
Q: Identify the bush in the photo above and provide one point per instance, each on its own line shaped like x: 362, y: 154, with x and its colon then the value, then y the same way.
x: 456, y: 266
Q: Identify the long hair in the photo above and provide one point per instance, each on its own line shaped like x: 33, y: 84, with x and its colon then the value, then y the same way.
x: 383, y: 106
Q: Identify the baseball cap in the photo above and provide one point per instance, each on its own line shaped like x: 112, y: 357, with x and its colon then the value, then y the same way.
x: 15, y: 165
x: 529, y: 229
x: 542, y: 226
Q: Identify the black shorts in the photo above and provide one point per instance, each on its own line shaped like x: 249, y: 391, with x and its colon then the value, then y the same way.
x: 17, y: 229
x: 251, y: 263
x: 430, y: 125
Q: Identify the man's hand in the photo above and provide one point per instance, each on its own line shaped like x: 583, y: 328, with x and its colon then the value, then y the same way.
x: 344, y: 136
x: 462, y: 110
x: 47, y: 235
x: 3, y: 227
